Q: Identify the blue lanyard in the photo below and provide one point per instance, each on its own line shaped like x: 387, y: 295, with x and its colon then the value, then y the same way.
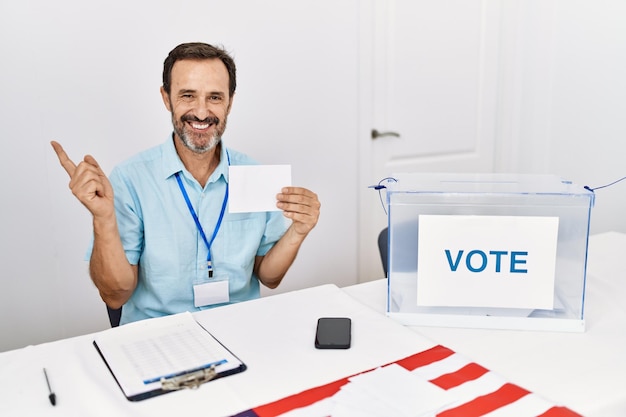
x: 197, y: 221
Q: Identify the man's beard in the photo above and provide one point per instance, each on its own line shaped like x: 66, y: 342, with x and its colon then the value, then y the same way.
x: 199, y: 142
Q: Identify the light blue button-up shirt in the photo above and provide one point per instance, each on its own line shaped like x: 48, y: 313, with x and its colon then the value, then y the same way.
x: 159, y: 234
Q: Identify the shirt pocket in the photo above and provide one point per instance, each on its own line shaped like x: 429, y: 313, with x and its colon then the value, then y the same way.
x: 238, y: 240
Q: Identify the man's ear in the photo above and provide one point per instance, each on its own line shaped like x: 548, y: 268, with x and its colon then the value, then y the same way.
x: 166, y: 99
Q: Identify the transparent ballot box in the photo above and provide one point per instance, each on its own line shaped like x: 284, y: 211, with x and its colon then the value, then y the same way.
x: 501, y: 251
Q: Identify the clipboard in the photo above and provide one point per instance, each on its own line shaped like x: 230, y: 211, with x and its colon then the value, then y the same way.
x: 161, y: 355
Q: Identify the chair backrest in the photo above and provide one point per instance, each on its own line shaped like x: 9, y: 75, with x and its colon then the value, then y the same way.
x: 115, y: 314
x: 383, y: 248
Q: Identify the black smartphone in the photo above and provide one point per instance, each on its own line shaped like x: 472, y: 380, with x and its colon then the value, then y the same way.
x: 333, y: 333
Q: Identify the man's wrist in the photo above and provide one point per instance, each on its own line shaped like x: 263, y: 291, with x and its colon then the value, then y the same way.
x: 104, y: 224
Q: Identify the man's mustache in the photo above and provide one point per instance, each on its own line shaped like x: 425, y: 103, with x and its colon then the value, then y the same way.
x: 210, y: 120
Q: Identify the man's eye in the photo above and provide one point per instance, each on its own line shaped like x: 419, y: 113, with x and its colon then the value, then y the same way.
x: 215, y: 99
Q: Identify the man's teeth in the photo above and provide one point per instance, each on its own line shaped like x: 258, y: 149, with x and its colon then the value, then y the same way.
x: 200, y: 125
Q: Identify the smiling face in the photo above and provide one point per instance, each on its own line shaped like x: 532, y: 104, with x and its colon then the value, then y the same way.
x: 199, y: 102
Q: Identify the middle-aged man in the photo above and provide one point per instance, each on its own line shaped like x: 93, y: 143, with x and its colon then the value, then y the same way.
x: 163, y: 239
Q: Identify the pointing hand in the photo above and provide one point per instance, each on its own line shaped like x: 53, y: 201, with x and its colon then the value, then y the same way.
x: 88, y: 183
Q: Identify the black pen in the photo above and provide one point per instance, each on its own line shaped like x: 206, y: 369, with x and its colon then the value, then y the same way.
x: 52, y: 396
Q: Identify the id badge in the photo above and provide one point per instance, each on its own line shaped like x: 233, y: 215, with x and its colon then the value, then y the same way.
x: 209, y: 293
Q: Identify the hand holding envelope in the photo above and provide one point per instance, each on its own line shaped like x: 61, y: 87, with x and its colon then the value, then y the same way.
x: 255, y: 188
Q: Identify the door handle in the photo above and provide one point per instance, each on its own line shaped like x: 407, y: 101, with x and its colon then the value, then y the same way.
x: 377, y: 134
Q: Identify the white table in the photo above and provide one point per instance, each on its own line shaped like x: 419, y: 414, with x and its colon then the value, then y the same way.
x: 585, y: 371
x: 274, y: 337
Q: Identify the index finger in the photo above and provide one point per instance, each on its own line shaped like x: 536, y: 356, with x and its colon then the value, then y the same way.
x: 65, y: 161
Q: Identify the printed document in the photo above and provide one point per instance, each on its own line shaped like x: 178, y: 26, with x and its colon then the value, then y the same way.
x: 142, y: 353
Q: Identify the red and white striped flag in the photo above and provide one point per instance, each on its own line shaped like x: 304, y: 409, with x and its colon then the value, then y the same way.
x: 478, y: 391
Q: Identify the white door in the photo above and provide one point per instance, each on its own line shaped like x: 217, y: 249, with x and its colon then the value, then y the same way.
x: 429, y: 78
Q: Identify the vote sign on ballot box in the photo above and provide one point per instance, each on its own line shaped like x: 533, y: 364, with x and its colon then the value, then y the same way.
x: 487, y: 250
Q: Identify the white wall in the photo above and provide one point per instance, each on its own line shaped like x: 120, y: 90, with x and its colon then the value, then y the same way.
x: 589, y: 112
x: 563, y: 97
x: 87, y: 74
